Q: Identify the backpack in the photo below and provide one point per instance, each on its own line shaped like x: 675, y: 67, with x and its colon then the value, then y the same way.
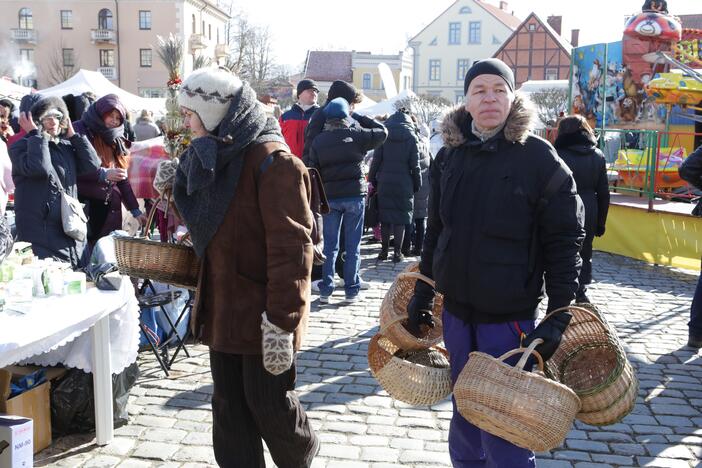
x: 319, y: 205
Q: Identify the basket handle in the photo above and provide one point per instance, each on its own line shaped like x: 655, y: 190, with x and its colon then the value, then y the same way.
x: 567, y: 308
x: 526, y: 353
x: 418, y: 276
x: 150, y: 219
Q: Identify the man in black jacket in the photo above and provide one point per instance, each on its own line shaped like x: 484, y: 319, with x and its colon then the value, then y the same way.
x: 338, y: 154
x: 503, y: 216
x: 691, y: 171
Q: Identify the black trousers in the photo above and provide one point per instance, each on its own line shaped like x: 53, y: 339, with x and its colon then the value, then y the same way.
x: 585, y: 277
x: 250, y: 404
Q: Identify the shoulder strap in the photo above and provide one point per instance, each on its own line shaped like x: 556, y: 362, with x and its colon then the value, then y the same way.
x: 559, y: 176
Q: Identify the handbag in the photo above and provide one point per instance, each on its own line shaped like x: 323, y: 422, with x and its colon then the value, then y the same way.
x: 73, y: 218
x: 372, y: 215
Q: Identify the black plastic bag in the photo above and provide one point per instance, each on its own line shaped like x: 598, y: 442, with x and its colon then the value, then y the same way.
x: 73, y: 401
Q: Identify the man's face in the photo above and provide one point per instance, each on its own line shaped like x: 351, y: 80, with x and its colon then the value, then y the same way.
x: 489, y: 101
x: 308, y: 97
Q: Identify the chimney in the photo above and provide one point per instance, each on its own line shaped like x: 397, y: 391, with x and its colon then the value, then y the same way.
x: 555, y: 23
x: 574, y: 37
x: 503, y: 6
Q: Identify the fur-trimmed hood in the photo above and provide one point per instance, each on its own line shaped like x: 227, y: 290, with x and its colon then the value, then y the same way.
x: 520, y: 122
x: 45, y: 104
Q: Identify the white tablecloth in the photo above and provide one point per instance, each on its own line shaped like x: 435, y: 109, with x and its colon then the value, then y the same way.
x: 54, y: 329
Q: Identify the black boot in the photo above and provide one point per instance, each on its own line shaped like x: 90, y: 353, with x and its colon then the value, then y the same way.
x: 397, y: 257
x: 383, y: 255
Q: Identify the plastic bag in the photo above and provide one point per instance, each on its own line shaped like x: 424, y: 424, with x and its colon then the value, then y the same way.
x: 173, y: 309
x: 73, y: 401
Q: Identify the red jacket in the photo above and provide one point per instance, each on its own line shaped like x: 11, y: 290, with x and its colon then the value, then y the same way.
x: 293, y: 124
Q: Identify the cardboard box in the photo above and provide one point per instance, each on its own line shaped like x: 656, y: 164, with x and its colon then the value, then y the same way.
x: 32, y: 404
x: 16, y: 442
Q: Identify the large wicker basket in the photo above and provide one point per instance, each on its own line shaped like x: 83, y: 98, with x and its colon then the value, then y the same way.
x: 409, y: 382
x: 592, y: 362
x: 142, y: 257
x: 393, y: 312
x: 522, y: 407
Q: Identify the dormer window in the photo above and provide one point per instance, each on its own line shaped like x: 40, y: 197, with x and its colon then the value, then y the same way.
x: 464, y: 11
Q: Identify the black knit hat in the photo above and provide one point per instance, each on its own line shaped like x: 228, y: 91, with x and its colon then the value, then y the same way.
x: 306, y: 84
x: 491, y: 66
x: 342, y: 89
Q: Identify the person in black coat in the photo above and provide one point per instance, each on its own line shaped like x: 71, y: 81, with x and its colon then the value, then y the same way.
x: 691, y: 171
x: 338, y: 154
x: 44, y: 158
x: 577, y: 146
x: 396, y: 175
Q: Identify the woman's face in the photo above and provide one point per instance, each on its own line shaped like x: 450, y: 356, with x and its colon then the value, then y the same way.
x: 192, y: 121
x: 112, y: 119
x: 51, y: 125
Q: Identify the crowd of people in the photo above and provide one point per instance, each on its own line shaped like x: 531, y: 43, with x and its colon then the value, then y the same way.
x: 496, y: 215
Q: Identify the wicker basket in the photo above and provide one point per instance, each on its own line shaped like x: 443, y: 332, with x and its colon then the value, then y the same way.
x: 592, y: 362
x: 525, y: 408
x: 142, y: 257
x: 393, y: 313
x: 409, y: 382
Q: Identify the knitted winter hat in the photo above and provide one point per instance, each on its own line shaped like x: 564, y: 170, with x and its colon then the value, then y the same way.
x: 337, y: 109
x: 306, y: 84
x: 208, y: 92
x: 491, y: 66
x: 344, y: 90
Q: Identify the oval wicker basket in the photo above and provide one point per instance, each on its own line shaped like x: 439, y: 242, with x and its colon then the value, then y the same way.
x: 592, y: 362
x: 393, y: 312
x: 142, y: 257
x: 525, y: 408
x: 409, y: 382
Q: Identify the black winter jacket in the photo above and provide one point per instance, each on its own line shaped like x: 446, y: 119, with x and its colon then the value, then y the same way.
x: 482, y: 217
x: 395, y: 171
x: 590, y: 173
x: 316, y: 126
x: 691, y: 172
x: 421, y: 198
x: 338, y: 154
x: 36, y: 163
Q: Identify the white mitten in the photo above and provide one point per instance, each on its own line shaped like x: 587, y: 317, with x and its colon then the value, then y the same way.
x: 277, y: 346
x: 165, y: 175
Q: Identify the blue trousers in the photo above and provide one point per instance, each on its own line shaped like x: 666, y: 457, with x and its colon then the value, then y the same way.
x: 350, y: 211
x: 695, y: 324
x: 470, y: 447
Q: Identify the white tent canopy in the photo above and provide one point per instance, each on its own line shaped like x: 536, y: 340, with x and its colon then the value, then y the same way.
x: 533, y: 86
x: 387, y: 106
x: 95, y: 82
x: 13, y: 91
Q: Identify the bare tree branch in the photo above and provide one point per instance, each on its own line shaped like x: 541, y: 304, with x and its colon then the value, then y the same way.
x: 549, y: 104
x: 427, y: 108
x: 56, y: 70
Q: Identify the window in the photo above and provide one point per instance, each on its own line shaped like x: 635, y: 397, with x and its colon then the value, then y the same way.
x: 551, y: 74
x: 25, y: 19
x: 27, y: 55
x: 434, y: 70
x: 194, y: 25
x: 145, y: 57
x: 105, y: 19
x: 367, y: 81
x: 66, y: 19
x: 202, y: 31
x: 218, y: 36
x: 474, y: 32
x: 464, y: 11
x: 107, y: 58
x: 209, y: 31
x: 152, y: 92
x: 462, y: 67
x: 454, y: 33
x: 68, y: 58
x: 459, y: 98
x: 144, y: 19
x: 532, y: 27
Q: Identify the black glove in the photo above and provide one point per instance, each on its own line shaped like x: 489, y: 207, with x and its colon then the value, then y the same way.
x: 420, y: 307
x: 600, y: 231
x: 550, y: 331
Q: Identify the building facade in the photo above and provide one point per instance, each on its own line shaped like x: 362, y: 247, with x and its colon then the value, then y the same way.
x: 49, y: 40
x: 366, y: 74
x: 443, y: 51
x: 536, y: 50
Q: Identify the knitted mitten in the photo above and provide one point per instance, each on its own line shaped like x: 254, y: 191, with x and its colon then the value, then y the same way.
x: 165, y: 175
x: 277, y: 345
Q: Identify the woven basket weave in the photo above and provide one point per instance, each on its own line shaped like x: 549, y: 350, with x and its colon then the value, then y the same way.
x: 142, y: 257
x: 522, y: 407
x: 592, y: 362
x: 409, y: 382
x: 393, y: 312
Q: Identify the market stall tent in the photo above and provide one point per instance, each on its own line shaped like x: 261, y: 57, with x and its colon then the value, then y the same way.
x: 13, y: 91
x: 85, y: 80
x: 387, y: 106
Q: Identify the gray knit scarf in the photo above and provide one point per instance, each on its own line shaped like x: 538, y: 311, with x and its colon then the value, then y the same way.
x: 209, y: 169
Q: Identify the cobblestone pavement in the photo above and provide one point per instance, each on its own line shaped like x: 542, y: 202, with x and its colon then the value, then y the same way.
x: 360, y: 426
